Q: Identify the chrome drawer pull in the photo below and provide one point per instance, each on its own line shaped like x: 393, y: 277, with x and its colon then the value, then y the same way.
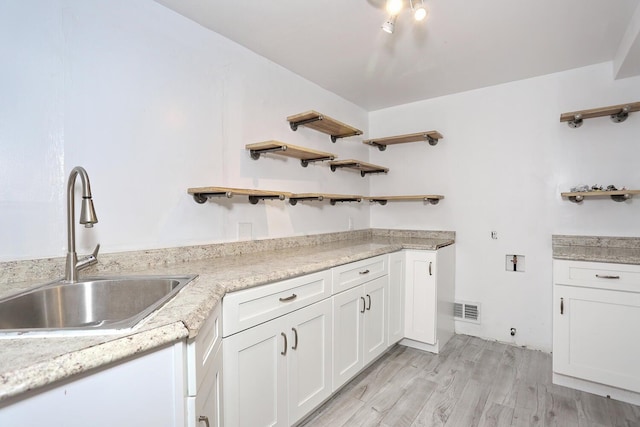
x: 204, y: 419
x: 369, y: 298
x: 561, y: 305
x: 364, y: 304
x: 430, y: 274
x: 364, y: 272
x: 287, y: 299
x: 606, y: 276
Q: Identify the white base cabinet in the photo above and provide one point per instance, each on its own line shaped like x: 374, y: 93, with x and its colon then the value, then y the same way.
x: 359, y: 328
x: 278, y: 371
x: 596, y: 307
x: 429, y: 298
x: 145, y: 391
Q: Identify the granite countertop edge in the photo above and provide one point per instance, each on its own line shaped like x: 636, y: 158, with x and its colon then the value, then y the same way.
x: 616, y: 250
x: 49, y: 360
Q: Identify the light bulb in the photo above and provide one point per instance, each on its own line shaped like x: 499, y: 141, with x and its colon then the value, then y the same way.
x: 389, y: 24
x: 394, y: 7
x: 420, y: 13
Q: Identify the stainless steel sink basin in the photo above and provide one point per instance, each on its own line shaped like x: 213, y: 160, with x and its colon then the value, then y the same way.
x: 91, y: 304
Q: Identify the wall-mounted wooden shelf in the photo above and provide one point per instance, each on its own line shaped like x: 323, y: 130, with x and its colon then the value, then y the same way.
x: 333, y: 198
x: 618, y: 113
x: 430, y: 198
x: 618, y: 195
x: 306, y: 155
x: 321, y: 123
x: 431, y: 136
x: 202, y: 194
x: 363, y: 167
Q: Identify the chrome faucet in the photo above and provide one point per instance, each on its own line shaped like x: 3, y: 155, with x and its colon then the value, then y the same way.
x: 87, y: 218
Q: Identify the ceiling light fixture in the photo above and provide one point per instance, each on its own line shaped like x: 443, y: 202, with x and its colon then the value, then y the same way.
x: 395, y: 7
x: 389, y: 25
x: 420, y: 11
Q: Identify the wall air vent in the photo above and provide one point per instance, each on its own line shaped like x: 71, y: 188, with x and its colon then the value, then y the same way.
x: 466, y: 311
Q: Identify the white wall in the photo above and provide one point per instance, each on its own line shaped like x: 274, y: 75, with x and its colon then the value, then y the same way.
x: 151, y: 104
x: 504, y: 160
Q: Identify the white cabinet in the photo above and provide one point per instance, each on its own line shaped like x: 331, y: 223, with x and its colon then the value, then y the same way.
x: 596, y: 311
x: 359, y: 328
x: 429, y: 298
x: 395, y: 304
x: 204, y: 374
x: 278, y: 371
x: 144, y: 391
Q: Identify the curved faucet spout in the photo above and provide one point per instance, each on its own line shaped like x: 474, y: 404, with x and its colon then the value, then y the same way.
x: 87, y: 218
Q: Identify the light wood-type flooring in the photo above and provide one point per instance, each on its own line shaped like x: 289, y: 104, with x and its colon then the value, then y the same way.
x: 472, y: 382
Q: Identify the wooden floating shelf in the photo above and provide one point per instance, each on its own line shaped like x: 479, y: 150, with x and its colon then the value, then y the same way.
x: 618, y: 114
x: 321, y: 123
x: 333, y: 198
x: 363, y: 167
x: 618, y: 195
x: 430, y: 198
x: 306, y: 155
x: 202, y: 194
x: 431, y: 136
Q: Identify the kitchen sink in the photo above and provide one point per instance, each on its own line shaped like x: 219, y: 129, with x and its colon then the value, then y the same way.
x: 92, y: 304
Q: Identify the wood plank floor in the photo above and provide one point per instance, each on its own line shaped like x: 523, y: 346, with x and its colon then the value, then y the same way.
x: 472, y: 382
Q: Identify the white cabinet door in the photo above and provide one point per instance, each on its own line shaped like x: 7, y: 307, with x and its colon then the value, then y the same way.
x: 594, y: 336
x: 309, y: 358
x: 208, y: 401
x: 277, y: 372
x: 145, y: 391
x: 421, y: 296
x: 348, y: 309
x: 396, y: 298
x: 375, y: 318
x: 255, y: 376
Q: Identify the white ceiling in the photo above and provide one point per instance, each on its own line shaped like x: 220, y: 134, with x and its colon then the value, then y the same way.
x: 465, y: 44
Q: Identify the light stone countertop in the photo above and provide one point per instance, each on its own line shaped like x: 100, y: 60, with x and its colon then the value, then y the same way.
x: 30, y: 363
x: 618, y: 250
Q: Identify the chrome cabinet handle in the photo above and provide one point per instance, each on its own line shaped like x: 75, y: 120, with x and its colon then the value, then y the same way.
x: 364, y: 304
x: 369, y: 298
x: 284, y: 352
x: 287, y: 299
x: 364, y: 272
x: 203, y: 419
x: 606, y: 276
x: 295, y: 342
x: 561, y: 305
x: 430, y: 274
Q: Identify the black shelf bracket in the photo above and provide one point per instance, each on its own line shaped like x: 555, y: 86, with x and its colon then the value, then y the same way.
x: 294, y: 125
x: 255, y: 154
x: 294, y: 200
x: 342, y: 200
x: 254, y: 199
x: 305, y: 162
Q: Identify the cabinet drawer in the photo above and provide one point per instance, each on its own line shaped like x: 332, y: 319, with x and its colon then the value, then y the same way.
x: 202, y: 349
x: 619, y: 277
x: 250, y: 307
x: 353, y: 274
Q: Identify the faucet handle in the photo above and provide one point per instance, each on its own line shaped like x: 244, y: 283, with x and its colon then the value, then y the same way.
x: 89, y: 259
x: 95, y: 251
